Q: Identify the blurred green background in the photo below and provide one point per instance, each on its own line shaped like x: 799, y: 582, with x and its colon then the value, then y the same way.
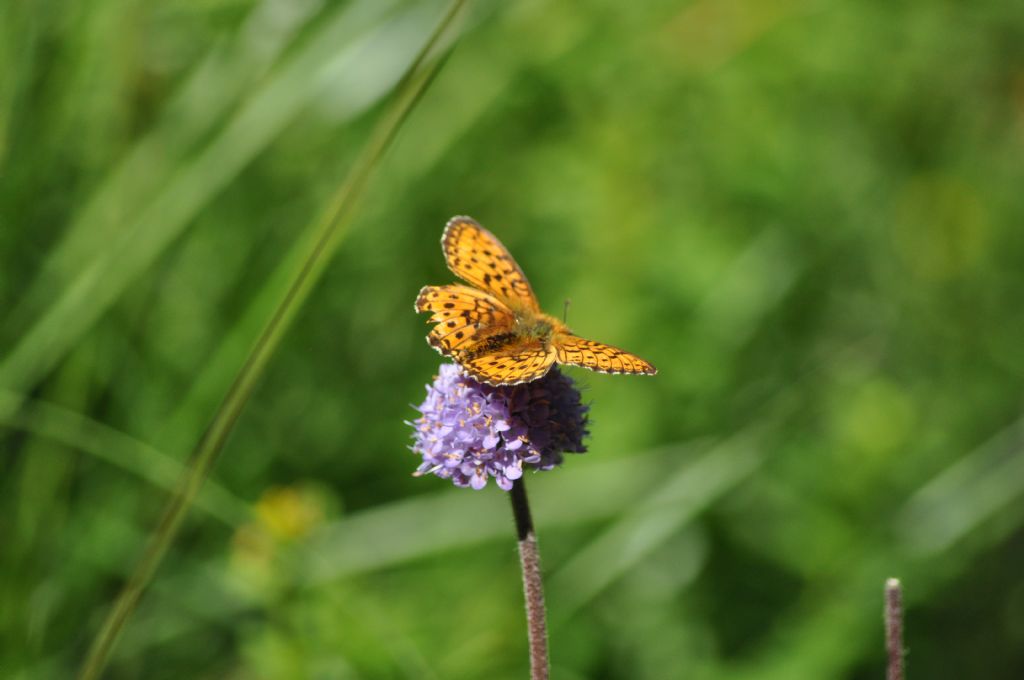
x: 807, y: 214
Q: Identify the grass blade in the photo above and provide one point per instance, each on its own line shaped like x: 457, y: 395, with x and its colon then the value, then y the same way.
x: 94, y: 285
x: 77, y: 431
x: 327, y: 230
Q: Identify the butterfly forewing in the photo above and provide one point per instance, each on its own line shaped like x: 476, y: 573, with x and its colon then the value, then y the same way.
x: 598, y: 356
x: 476, y: 256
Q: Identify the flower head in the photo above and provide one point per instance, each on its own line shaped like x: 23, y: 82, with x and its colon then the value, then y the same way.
x: 468, y: 431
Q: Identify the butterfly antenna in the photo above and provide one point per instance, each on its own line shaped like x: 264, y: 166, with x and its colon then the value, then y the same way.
x: 565, y: 310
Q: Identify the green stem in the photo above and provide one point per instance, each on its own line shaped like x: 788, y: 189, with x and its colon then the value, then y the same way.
x: 327, y: 231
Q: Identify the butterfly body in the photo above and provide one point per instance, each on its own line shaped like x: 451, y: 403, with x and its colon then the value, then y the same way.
x: 494, y: 328
x: 539, y: 327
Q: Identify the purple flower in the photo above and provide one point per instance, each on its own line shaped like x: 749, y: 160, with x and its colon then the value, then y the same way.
x: 469, y: 431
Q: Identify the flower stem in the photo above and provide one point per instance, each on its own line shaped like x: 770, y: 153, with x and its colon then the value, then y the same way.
x: 533, y: 586
x: 894, y: 628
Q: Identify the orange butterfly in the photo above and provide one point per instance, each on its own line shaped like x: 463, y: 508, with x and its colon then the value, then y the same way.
x: 496, y: 330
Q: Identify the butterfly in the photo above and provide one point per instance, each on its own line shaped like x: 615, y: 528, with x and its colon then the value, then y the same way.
x: 494, y: 327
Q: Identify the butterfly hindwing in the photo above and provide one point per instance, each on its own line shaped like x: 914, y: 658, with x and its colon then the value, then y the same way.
x: 477, y: 257
x: 597, y: 356
x: 463, y: 316
x: 517, y: 362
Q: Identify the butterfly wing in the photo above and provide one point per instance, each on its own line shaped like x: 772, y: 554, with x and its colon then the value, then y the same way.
x: 477, y: 257
x: 597, y: 356
x: 464, y: 316
x: 480, y: 327
x: 516, y: 362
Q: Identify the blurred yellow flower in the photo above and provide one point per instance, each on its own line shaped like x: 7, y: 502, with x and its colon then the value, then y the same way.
x: 290, y: 512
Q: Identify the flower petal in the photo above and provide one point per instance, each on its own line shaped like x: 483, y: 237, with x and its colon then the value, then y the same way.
x: 468, y: 431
